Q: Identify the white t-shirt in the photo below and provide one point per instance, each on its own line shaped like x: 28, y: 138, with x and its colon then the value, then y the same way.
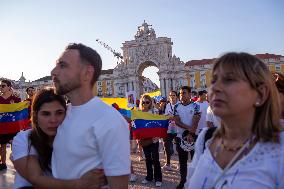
x: 261, y: 168
x: 20, y: 148
x: 92, y: 135
x: 186, y: 113
x: 170, y: 108
x: 202, y: 122
x: 213, y: 118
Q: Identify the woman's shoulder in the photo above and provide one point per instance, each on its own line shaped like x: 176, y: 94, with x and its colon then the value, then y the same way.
x: 268, y: 151
x: 23, y: 134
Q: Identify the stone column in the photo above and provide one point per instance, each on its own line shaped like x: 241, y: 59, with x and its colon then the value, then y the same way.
x: 168, y: 86
x: 161, y: 85
x: 115, y: 89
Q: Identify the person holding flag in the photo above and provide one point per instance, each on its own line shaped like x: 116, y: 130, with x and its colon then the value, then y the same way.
x: 6, y: 136
x: 150, y: 147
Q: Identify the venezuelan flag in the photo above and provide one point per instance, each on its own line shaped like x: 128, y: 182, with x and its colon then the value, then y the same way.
x: 126, y: 113
x: 14, y: 117
x: 147, y: 125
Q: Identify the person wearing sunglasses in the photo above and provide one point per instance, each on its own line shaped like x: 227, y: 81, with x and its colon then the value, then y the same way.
x: 6, y: 97
x: 151, y: 147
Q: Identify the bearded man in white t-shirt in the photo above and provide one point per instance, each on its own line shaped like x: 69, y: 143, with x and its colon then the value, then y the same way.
x: 93, y: 135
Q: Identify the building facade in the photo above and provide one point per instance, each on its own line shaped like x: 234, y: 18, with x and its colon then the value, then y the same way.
x: 199, y: 71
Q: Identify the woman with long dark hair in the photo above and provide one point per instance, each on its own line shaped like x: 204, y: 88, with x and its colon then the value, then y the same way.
x: 32, y: 149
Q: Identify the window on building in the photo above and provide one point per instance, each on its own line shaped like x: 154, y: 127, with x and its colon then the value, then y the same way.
x: 108, y: 83
x: 278, y: 68
x: 192, y: 82
x: 120, y: 90
x: 203, y: 83
x: 109, y: 91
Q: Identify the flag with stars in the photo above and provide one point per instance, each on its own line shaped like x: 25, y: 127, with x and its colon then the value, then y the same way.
x: 147, y: 125
x: 14, y: 117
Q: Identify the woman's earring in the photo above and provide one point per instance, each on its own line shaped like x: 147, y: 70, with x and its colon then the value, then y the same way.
x: 257, y: 103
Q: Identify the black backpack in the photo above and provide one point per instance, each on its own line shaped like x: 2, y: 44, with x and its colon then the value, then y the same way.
x: 208, y: 135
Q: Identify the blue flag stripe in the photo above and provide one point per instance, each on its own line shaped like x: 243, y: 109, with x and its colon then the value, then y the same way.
x: 126, y: 113
x: 14, y: 116
x: 141, y: 123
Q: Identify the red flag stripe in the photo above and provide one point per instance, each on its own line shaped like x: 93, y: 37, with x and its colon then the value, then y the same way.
x: 150, y: 133
x: 14, y: 127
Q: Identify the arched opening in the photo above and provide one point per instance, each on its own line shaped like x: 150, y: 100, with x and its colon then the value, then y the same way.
x: 148, y: 77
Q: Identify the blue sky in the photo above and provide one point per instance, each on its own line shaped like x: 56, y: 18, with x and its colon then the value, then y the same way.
x: 33, y: 33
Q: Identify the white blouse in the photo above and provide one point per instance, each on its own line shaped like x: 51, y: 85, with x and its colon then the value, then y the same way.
x: 261, y: 168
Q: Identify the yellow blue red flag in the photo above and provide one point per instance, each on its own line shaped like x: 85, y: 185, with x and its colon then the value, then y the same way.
x: 147, y: 125
x: 14, y: 117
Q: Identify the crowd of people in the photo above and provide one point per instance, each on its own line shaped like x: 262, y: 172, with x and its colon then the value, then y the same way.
x: 233, y: 133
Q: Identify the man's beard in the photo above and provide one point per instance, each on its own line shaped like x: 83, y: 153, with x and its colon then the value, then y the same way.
x: 66, y: 88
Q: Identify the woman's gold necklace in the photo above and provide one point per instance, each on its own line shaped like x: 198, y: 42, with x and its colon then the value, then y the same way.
x: 232, y: 149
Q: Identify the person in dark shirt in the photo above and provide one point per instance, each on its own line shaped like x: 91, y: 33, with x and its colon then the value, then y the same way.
x: 30, y: 92
x: 6, y: 97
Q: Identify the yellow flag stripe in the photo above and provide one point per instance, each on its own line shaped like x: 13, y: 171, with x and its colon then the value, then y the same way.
x: 155, y: 93
x: 147, y: 116
x: 14, y: 107
x: 121, y: 102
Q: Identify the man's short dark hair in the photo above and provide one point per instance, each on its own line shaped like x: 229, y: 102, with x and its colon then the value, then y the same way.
x: 200, y: 93
x: 9, y: 84
x: 186, y: 88
x: 29, y: 88
x: 194, y: 93
x: 89, y: 55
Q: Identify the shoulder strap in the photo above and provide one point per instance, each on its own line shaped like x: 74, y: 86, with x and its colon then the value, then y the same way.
x: 175, y: 109
x: 208, y: 135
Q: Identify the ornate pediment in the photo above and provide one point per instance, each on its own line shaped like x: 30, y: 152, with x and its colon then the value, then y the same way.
x: 145, y: 33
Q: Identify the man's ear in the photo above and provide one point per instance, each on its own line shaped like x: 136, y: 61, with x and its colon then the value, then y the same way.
x: 88, y: 72
x: 262, y: 95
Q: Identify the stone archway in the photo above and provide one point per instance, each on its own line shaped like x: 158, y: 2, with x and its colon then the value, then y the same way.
x: 144, y: 51
x: 141, y: 79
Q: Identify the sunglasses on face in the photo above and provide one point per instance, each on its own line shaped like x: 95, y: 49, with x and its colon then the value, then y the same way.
x: 145, y: 102
x: 3, y: 86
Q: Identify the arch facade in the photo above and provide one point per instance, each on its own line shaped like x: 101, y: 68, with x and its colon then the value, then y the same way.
x: 148, y: 50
